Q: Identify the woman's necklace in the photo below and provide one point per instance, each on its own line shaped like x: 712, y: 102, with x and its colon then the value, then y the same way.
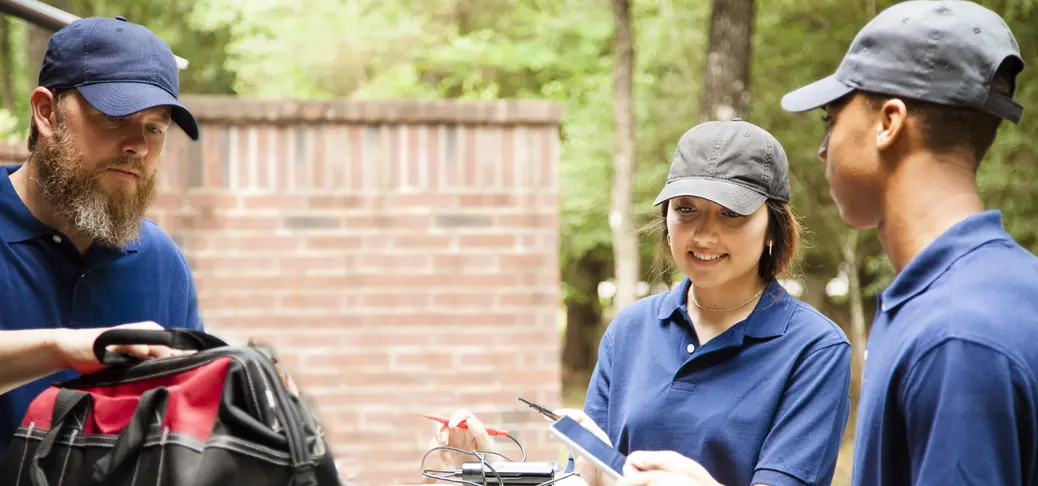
x: 693, y: 297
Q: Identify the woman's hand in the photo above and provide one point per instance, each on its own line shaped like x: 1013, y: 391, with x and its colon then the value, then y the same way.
x: 668, y: 468
x: 474, y: 438
x: 591, y: 475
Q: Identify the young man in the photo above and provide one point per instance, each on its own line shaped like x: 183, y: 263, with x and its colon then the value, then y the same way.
x: 950, y: 392
x: 76, y: 255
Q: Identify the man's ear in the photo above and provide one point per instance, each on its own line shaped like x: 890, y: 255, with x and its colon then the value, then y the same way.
x: 891, y: 124
x: 44, y: 111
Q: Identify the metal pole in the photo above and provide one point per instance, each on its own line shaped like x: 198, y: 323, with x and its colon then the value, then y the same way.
x: 49, y: 17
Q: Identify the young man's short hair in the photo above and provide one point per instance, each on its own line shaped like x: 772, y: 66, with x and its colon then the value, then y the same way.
x: 954, y: 129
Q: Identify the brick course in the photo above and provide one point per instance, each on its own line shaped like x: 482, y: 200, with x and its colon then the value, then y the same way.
x: 401, y: 256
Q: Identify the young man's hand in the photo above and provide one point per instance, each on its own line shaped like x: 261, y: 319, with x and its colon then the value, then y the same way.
x: 669, y: 468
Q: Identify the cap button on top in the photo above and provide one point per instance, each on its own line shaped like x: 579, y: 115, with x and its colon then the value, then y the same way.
x: 121, y: 18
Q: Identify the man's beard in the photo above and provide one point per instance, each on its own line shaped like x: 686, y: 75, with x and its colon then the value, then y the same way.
x: 74, y: 192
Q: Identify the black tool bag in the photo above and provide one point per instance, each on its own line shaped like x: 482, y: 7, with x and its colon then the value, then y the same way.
x: 220, y: 417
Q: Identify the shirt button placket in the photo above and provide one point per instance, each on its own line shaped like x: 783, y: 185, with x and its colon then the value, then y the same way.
x: 81, y: 311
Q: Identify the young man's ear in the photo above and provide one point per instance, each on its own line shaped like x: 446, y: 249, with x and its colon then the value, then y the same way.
x: 891, y: 123
x: 44, y: 111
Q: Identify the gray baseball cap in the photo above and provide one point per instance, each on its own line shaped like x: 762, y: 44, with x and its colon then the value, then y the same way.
x: 938, y: 51
x: 733, y: 163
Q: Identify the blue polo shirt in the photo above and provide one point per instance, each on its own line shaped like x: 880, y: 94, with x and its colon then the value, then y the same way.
x: 950, y: 393
x: 46, y: 283
x: 765, y: 402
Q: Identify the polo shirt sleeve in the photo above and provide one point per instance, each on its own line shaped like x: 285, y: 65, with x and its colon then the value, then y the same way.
x: 969, y: 416
x: 596, y: 402
x: 802, y: 446
x: 193, y: 318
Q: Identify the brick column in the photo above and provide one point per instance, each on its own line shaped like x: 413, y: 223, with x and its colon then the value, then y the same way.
x: 401, y: 256
x: 13, y: 153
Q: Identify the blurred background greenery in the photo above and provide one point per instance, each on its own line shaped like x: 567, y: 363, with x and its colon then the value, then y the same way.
x: 693, y: 60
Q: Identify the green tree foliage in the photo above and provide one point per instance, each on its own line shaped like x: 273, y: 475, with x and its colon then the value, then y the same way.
x: 13, y: 119
x: 203, y: 48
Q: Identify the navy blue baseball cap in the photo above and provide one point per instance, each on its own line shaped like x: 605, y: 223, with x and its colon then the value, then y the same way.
x: 939, y: 51
x: 119, y: 67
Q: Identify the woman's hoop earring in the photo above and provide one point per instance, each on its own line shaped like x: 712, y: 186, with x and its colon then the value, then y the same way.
x: 769, y: 248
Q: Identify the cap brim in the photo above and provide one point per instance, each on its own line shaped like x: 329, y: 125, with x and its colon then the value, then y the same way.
x: 122, y: 99
x: 815, y: 95
x: 732, y: 196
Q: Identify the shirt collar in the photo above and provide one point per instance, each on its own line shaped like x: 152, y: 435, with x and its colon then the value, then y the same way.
x: 673, y: 300
x: 939, y: 255
x: 771, y: 316
x: 17, y: 224
x: 769, y: 319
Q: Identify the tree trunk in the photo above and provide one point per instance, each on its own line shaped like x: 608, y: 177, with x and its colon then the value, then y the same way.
x: 814, y: 289
x: 583, y: 319
x: 625, y: 242
x: 849, y: 248
x: 725, y: 93
x: 6, y: 64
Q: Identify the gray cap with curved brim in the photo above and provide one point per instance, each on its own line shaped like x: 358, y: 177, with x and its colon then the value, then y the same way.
x: 944, y: 52
x: 815, y: 95
x: 735, y: 164
x: 730, y: 195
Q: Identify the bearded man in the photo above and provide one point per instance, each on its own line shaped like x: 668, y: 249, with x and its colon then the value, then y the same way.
x: 77, y: 256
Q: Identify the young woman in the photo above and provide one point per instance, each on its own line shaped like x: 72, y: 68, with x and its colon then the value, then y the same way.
x: 727, y: 368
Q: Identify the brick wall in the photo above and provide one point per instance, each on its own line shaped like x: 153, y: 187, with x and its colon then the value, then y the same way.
x: 401, y: 256
x: 12, y: 153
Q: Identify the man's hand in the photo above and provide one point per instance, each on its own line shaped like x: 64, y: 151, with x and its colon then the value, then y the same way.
x: 30, y: 354
x: 75, y: 347
x: 591, y: 475
x: 668, y: 468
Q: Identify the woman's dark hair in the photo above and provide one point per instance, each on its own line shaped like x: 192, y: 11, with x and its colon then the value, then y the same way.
x: 783, y: 229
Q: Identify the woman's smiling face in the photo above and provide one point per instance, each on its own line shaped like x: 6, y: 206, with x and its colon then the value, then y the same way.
x: 712, y: 244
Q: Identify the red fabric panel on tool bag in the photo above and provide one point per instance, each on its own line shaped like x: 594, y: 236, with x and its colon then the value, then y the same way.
x: 194, y: 398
